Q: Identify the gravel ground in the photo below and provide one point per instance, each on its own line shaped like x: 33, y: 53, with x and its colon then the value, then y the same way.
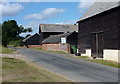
x: 15, y: 55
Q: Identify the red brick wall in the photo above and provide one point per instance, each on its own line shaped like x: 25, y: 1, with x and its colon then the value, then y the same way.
x: 57, y: 47
x: 51, y: 47
x: 34, y: 46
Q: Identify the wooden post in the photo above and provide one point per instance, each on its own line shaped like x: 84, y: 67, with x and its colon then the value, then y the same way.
x: 97, y: 46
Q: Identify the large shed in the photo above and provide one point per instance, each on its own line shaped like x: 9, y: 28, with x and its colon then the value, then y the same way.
x: 99, y: 30
x: 45, y: 30
x: 32, y: 41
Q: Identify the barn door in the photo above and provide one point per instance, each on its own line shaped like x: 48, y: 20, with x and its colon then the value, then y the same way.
x: 97, y: 44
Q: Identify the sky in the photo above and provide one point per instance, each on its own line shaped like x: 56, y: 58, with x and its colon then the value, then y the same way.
x: 31, y: 14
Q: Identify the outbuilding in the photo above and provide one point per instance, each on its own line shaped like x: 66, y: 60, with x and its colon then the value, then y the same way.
x: 45, y: 30
x: 32, y: 41
x: 62, y: 42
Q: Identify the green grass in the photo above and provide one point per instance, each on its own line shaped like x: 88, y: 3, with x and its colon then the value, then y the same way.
x: 105, y: 62
x: 6, y: 50
x: 49, y: 51
x: 16, y: 46
x: 15, y: 70
x: 100, y: 61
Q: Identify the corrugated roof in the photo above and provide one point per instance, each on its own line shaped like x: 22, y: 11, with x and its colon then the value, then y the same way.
x: 58, y: 28
x: 100, y: 6
x: 56, y: 38
x: 29, y: 37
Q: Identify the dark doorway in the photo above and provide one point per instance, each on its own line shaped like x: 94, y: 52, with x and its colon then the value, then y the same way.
x: 97, y: 44
x: 71, y: 51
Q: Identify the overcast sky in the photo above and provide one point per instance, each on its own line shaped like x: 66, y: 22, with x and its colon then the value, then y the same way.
x: 31, y: 14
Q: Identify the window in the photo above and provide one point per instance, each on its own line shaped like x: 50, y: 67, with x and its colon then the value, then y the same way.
x: 63, y: 40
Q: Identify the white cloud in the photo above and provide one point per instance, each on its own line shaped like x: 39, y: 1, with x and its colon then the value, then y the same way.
x: 35, y: 25
x: 56, y: 0
x: 84, y: 4
x: 8, y: 9
x: 67, y: 22
x: 45, y: 14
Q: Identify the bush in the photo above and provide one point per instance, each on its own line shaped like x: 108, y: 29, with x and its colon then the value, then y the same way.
x: 16, y: 43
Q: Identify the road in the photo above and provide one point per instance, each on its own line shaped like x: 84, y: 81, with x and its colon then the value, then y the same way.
x: 72, y: 68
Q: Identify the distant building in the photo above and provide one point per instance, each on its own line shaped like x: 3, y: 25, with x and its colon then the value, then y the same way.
x: 99, y: 31
x: 61, y: 42
x: 32, y: 41
x: 45, y: 30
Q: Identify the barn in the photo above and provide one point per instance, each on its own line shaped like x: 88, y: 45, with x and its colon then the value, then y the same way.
x: 45, y: 30
x: 32, y: 41
x: 99, y: 31
x: 63, y: 42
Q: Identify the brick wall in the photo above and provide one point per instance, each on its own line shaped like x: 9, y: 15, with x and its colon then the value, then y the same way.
x: 34, y: 46
x: 112, y: 55
x: 55, y: 47
x: 65, y: 48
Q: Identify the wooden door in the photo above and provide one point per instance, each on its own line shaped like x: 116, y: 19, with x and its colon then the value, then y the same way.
x: 97, y: 44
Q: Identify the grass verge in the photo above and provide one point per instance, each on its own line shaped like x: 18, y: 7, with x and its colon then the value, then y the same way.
x: 100, y: 61
x: 6, y: 50
x: 49, y: 51
x: 16, y: 70
x: 16, y: 46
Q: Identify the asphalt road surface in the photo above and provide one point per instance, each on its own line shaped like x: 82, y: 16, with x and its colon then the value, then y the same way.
x: 73, y: 68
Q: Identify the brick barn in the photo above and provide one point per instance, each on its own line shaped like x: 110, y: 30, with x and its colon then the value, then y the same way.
x: 61, y: 42
x: 99, y: 31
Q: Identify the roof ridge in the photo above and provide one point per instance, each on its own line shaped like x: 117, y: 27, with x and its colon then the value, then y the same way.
x: 100, y: 7
x: 56, y: 38
x: 29, y: 37
x: 60, y: 24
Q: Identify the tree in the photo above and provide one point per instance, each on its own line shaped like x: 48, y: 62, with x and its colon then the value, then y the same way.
x: 29, y: 29
x: 0, y: 34
x: 11, y: 31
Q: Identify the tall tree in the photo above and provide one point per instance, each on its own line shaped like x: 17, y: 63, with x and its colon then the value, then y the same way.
x: 11, y: 31
x: 0, y: 34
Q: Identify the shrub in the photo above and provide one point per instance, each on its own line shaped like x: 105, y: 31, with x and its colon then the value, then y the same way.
x: 16, y: 43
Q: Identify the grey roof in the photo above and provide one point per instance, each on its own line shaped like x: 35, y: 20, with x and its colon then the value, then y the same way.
x: 58, y: 28
x: 29, y: 37
x: 56, y: 38
x: 100, y: 6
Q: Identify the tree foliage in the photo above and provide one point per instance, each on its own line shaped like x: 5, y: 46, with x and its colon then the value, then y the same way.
x: 0, y: 34
x: 11, y: 31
